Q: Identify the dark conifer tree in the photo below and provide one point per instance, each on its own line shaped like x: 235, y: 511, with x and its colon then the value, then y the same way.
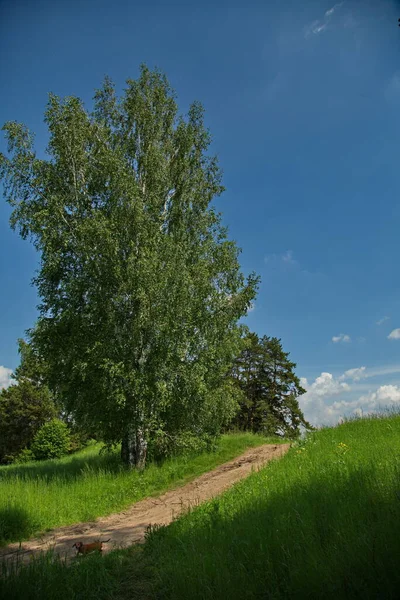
x: 270, y: 389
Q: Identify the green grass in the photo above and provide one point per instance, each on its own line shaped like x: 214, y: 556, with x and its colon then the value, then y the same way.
x: 40, y: 496
x: 120, y: 575
x: 323, y: 522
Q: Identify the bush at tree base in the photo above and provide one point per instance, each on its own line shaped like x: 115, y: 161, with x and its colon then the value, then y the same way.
x: 51, y: 441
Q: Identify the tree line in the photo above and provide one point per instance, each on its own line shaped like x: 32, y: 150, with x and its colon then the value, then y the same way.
x: 138, y: 334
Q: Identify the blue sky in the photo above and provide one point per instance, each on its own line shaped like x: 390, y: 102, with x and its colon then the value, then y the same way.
x: 302, y: 100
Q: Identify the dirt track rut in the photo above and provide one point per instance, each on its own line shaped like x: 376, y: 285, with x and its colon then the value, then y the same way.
x: 129, y: 526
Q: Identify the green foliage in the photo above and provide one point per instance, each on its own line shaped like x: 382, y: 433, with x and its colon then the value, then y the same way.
x: 141, y: 289
x: 270, y: 388
x: 25, y: 456
x: 24, y: 406
x: 78, y: 440
x: 87, y: 485
x: 32, y: 366
x: 51, y: 441
x: 162, y: 445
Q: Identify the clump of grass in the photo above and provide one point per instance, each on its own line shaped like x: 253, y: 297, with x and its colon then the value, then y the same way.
x: 15, y: 523
x: 39, y: 496
x: 120, y: 575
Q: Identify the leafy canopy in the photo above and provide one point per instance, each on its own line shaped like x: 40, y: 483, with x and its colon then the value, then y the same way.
x: 140, y: 287
x: 24, y: 406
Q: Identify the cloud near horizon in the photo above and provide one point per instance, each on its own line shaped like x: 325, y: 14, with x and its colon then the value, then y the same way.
x: 319, y: 409
x: 313, y: 403
x: 5, y: 377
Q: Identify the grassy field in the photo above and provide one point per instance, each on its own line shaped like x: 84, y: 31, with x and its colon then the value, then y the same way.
x: 39, y: 496
x: 323, y: 522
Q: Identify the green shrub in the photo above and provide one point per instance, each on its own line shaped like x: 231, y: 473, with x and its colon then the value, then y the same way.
x: 79, y: 440
x: 163, y: 445
x: 24, y: 408
x: 26, y: 455
x: 51, y: 441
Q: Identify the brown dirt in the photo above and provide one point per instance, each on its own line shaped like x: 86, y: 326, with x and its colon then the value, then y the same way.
x: 129, y: 526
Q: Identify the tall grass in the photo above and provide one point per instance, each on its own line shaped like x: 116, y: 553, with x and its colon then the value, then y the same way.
x: 322, y: 522
x: 120, y: 575
x: 39, y: 496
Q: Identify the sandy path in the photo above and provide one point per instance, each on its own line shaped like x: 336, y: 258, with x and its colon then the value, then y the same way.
x: 129, y: 526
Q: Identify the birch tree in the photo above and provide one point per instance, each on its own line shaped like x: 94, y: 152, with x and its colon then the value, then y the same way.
x: 141, y: 289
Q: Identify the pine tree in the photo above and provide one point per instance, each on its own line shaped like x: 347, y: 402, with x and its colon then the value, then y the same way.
x: 270, y: 389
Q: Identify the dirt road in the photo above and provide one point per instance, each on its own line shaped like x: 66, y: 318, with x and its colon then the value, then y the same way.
x: 129, y: 527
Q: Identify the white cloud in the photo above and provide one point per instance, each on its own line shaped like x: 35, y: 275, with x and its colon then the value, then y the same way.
x: 394, y: 335
x: 354, y: 374
x: 384, y: 395
x: 286, y: 257
x: 342, y: 337
x: 330, y: 12
x: 5, y: 377
x: 319, y: 25
x: 316, y: 27
x: 381, y: 371
x: 313, y: 402
x: 325, y: 385
x: 319, y: 408
x: 382, y: 320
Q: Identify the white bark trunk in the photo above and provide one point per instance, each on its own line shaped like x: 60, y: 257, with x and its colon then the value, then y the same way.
x: 134, y: 448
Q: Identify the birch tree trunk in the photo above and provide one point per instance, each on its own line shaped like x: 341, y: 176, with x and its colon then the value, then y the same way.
x: 134, y: 448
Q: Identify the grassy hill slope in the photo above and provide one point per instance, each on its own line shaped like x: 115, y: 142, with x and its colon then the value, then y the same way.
x: 322, y: 522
